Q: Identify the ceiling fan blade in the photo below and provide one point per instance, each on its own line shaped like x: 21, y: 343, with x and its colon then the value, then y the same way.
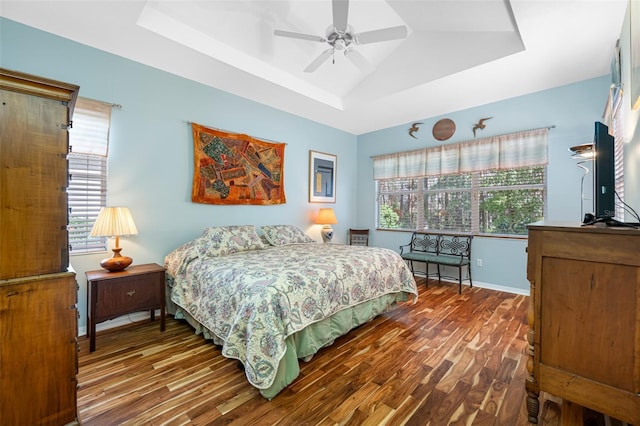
x: 302, y: 36
x: 383, y: 34
x: 319, y: 60
x: 340, y: 15
x: 358, y: 60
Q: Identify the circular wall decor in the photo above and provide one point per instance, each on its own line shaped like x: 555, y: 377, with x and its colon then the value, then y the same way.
x: 444, y: 129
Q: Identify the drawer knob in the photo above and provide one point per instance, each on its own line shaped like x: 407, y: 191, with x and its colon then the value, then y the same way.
x: 131, y: 293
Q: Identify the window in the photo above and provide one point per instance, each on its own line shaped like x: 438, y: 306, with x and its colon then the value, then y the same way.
x: 494, y: 186
x: 613, y: 119
x: 87, y: 191
x: 447, y: 201
x: 619, y: 175
x: 616, y: 131
x: 511, y: 199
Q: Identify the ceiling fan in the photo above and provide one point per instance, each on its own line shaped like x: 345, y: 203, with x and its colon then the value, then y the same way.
x: 340, y: 37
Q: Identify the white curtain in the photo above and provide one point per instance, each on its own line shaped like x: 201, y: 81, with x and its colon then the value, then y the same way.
x: 90, y: 131
x: 513, y: 150
x: 403, y: 164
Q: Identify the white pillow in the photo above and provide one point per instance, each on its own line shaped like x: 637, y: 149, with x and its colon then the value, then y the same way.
x: 281, y: 235
x: 223, y: 240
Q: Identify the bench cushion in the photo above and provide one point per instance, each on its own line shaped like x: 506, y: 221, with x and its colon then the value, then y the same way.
x: 445, y: 259
x: 419, y: 256
x: 442, y: 259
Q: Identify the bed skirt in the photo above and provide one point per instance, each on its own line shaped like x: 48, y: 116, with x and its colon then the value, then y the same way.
x: 305, y: 343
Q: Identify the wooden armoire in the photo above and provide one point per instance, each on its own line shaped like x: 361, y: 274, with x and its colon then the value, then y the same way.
x: 38, y: 291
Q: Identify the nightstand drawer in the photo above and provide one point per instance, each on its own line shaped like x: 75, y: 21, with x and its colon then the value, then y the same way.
x: 138, y: 293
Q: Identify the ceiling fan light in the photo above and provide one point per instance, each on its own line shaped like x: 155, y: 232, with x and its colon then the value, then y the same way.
x: 340, y: 36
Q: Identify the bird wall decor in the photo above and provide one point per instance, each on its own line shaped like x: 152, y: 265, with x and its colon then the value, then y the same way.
x: 414, y: 128
x: 480, y: 125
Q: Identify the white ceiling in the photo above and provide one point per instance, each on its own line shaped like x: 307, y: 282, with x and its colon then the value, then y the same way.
x: 458, y: 53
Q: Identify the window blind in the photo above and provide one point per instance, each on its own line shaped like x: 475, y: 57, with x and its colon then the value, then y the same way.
x: 87, y: 190
x: 616, y: 131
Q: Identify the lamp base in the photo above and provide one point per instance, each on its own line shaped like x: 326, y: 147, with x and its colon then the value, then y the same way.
x: 117, y: 262
x: 327, y: 233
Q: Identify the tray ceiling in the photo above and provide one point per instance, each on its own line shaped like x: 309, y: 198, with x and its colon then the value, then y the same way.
x: 458, y: 54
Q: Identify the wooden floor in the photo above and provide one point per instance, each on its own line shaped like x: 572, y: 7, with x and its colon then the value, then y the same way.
x: 448, y: 360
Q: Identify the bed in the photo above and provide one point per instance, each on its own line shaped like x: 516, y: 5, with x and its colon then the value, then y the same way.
x: 274, y: 298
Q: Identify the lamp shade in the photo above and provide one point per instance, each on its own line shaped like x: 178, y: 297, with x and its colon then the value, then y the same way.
x: 326, y: 217
x: 582, y: 152
x: 114, y: 222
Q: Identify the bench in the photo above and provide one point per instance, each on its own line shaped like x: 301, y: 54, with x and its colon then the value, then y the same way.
x: 441, y: 250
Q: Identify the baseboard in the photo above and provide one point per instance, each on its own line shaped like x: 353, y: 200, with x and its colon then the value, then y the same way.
x: 120, y: 321
x: 490, y: 286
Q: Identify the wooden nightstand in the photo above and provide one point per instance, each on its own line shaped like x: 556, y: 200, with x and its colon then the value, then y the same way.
x: 112, y: 294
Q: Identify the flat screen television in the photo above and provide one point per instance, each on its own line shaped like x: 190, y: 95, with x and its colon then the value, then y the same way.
x: 604, y: 171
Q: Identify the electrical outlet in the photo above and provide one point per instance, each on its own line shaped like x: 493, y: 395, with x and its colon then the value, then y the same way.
x: 479, y: 263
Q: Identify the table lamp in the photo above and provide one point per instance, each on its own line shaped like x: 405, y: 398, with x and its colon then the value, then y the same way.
x: 114, y: 222
x: 326, y: 217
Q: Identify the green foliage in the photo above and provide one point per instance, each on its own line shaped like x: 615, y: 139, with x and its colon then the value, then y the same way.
x: 448, y: 211
x: 509, y: 211
x: 508, y: 200
x: 389, y: 219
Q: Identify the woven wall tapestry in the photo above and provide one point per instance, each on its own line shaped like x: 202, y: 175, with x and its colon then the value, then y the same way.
x: 232, y: 168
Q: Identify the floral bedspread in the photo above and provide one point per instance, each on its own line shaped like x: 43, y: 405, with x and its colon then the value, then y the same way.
x: 253, y: 300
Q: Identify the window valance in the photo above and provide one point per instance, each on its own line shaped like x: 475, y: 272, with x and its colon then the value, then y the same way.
x: 513, y: 150
x: 90, y: 131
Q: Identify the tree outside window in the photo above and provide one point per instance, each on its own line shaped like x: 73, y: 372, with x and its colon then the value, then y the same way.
x: 507, y: 200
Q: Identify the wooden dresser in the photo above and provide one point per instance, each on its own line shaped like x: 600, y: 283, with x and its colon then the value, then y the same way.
x: 38, y: 292
x: 584, y: 318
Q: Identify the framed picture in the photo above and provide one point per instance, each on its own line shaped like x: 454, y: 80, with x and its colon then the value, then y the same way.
x: 322, y: 177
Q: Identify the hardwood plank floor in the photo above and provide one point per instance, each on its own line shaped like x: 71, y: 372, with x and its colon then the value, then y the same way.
x: 448, y: 360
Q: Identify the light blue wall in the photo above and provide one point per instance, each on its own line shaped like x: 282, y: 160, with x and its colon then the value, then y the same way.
x: 151, y: 150
x: 573, y: 109
x: 151, y: 153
